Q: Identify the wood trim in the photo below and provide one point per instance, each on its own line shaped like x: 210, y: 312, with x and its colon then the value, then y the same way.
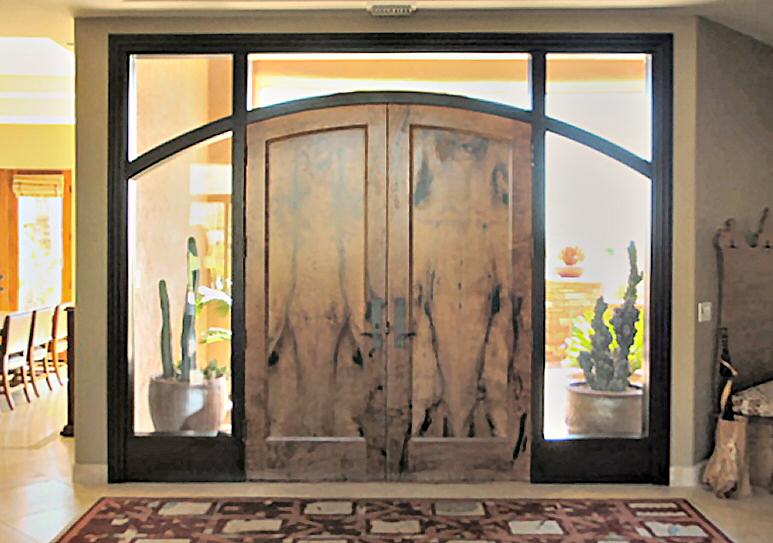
x: 68, y: 245
x: 9, y: 243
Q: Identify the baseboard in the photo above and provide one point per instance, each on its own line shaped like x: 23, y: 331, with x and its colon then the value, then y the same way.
x: 686, y: 475
x: 89, y: 474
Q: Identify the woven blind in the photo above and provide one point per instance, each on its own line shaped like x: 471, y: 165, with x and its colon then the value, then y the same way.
x: 38, y: 186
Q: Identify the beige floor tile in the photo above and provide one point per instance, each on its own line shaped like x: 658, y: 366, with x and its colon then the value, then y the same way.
x: 12, y: 535
x: 45, y: 526
x: 38, y: 499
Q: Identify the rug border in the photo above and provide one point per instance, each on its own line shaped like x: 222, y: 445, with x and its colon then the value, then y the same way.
x: 67, y: 533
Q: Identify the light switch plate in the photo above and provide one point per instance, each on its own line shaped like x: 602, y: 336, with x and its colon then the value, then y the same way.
x: 704, y: 311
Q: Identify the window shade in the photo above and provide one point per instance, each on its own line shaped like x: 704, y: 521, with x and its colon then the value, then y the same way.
x: 38, y: 186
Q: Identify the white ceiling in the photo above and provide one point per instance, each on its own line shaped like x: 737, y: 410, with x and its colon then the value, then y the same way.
x: 752, y: 17
x: 37, y: 82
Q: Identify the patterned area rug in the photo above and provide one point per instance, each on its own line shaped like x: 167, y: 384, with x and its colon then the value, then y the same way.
x: 287, y: 520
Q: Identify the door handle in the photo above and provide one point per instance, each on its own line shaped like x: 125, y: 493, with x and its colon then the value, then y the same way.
x: 401, y: 323
x: 374, y: 314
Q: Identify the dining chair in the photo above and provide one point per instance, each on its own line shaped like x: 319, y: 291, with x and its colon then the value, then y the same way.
x: 57, y: 352
x: 13, y: 355
x: 37, y: 350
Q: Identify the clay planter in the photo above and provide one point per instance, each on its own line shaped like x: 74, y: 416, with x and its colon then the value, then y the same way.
x: 570, y: 271
x: 604, y: 414
x: 181, y: 407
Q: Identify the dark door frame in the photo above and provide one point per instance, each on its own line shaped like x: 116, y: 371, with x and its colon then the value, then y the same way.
x: 157, y: 458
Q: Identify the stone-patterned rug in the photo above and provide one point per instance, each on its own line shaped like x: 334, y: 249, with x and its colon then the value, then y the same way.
x: 289, y: 520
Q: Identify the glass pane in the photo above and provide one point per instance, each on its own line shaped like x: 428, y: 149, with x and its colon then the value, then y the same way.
x: 172, y: 94
x: 607, y: 94
x: 277, y: 78
x: 596, y: 211
x: 180, y: 292
x: 41, y: 257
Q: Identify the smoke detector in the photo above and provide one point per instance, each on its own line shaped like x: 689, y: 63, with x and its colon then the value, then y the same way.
x: 391, y: 10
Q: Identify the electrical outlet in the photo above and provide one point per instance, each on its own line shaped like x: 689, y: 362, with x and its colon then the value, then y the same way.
x: 704, y: 311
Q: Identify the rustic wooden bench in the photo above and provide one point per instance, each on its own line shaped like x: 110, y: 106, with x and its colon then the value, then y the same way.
x: 745, y: 266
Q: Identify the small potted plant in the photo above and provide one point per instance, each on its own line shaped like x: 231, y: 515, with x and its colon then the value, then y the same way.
x: 606, y: 403
x: 183, y: 399
x: 571, y: 257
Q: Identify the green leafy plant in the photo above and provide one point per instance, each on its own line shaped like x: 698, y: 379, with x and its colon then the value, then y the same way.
x: 608, y: 368
x: 213, y: 370
x: 222, y: 303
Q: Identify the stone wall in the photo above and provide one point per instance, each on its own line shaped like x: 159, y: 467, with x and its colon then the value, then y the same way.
x: 565, y: 300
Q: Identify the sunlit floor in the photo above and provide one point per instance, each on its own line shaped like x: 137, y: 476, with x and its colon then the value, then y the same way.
x: 38, y: 498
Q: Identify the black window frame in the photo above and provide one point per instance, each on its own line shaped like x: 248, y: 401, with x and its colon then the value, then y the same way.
x: 157, y: 458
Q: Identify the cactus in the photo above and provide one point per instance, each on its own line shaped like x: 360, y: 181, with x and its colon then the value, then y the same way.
x: 605, y: 369
x: 188, y: 336
x: 166, y: 332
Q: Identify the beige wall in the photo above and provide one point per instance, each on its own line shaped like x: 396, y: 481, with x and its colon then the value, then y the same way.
x: 91, y: 85
x: 25, y: 19
x: 734, y: 158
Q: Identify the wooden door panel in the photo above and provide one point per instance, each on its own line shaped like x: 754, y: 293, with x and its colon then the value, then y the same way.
x: 460, y: 253
x: 315, y: 278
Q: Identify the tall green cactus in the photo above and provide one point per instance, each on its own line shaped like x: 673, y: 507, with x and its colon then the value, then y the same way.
x: 188, y: 336
x: 597, y: 365
x: 604, y: 369
x: 625, y: 318
x: 166, y: 332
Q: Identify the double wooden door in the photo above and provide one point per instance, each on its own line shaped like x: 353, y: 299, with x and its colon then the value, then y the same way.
x: 388, y: 295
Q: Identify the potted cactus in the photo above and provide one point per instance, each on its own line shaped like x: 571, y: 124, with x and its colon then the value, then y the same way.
x: 606, y: 403
x: 571, y: 257
x: 183, y: 399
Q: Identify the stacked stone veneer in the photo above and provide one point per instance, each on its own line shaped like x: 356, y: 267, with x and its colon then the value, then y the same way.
x: 565, y: 300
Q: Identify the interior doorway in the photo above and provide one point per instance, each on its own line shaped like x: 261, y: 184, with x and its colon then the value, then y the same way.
x: 36, y: 249
x: 388, y: 273
x: 260, y: 115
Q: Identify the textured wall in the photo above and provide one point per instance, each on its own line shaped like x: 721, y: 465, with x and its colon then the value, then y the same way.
x: 734, y: 171
x: 92, y: 111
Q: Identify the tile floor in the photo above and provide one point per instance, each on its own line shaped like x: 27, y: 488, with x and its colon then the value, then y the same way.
x: 38, y: 498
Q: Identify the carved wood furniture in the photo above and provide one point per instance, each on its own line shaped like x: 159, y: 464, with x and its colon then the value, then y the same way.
x: 40, y: 338
x: 58, y: 348
x: 745, y: 265
x: 13, y: 355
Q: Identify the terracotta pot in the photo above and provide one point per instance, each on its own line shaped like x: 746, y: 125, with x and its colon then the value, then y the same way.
x: 570, y: 271
x: 181, y: 407
x: 596, y: 413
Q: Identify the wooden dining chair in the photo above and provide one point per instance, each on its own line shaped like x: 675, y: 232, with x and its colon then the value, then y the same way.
x: 13, y: 355
x: 57, y: 351
x: 39, y: 343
